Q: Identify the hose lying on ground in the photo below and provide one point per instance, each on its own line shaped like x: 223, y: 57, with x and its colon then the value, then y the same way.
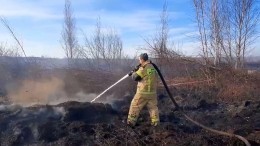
x: 193, y: 121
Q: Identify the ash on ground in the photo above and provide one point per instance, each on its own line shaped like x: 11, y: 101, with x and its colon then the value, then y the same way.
x: 76, y: 123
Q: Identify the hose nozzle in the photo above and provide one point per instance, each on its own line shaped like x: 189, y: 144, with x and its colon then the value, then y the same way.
x: 130, y: 73
x: 135, y: 69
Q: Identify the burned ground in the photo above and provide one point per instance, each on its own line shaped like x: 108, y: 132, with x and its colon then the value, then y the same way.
x: 75, y: 123
x: 229, y: 104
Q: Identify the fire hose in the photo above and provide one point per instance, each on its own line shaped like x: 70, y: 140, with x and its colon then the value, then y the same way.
x: 177, y: 107
x: 190, y: 119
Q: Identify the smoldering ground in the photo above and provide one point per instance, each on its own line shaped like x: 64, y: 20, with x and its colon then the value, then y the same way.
x: 76, y: 123
x: 39, y: 107
x: 48, y: 123
x: 42, y: 112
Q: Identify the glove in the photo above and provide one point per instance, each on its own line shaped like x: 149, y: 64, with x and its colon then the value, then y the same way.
x: 137, y: 67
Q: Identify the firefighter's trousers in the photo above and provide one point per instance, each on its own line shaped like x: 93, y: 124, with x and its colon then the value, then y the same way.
x: 137, y: 104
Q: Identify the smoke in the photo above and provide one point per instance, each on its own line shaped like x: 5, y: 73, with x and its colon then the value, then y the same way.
x: 40, y: 91
x: 11, y: 108
x: 80, y: 97
x: 43, y: 91
x: 51, y: 91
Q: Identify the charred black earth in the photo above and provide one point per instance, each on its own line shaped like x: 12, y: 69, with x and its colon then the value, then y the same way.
x: 75, y: 123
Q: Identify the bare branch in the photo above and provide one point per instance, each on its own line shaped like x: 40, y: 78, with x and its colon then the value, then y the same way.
x: 4, y: 22
x: 69, y: 39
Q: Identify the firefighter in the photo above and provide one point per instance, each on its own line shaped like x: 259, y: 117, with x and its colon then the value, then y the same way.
x: 146, y: 76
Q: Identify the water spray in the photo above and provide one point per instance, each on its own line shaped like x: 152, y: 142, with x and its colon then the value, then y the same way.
x: 124, y: 77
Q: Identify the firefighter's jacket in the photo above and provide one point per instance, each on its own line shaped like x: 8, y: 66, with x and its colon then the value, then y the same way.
x: 146, y: 76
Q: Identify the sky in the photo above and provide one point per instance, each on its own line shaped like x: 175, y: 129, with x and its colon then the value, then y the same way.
x: 38, y: 23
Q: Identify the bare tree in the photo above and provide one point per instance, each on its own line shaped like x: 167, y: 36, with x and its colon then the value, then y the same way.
x: 3, y: 50
x: 104, y: 46
x: 215, y: 34
x: 8, y: 51
x: 158, y: 45
x: 202, y: 27
x: 163, y: 33
x: 226, y: 31
x: 245, y: 18
x: 69, y: 39
x: 229, y: 27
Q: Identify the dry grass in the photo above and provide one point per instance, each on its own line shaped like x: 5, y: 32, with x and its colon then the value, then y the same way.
x: 237, y: 85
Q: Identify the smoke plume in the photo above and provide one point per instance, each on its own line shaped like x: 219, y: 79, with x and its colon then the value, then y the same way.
x: 43, y: 91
